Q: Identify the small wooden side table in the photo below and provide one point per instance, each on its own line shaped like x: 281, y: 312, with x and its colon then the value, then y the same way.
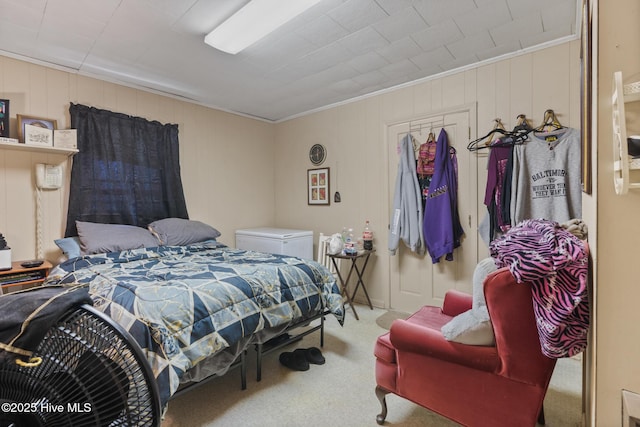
x: 21, y: 276
x: 359, y: 272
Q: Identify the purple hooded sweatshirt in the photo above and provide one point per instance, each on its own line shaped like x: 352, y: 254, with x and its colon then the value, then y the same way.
x: 441, y: 225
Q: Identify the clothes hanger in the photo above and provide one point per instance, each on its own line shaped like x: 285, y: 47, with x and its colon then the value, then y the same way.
x: 498, y: 127
x: 522, y: 124
x: 416, y: 145
x: 518, y: 135
x: 550, y: 120
x: 549, y: 135
x: 431, y: 137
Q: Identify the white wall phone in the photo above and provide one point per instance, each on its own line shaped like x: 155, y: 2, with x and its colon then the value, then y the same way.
x: 48, y: 177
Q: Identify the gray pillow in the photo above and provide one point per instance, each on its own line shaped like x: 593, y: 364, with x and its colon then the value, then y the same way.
x: 99, y: 238
x: 482, y: 270
x: 179, y: 232
x: 471, y: 327
x: 474, y: 326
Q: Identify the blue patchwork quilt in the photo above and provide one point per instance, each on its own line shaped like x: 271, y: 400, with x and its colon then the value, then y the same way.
x: 183, y: 304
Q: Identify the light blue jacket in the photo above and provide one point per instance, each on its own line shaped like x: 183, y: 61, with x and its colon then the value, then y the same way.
x: 406, y: 216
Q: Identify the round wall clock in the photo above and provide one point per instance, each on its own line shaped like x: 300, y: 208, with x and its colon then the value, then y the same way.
x: 317, y: 154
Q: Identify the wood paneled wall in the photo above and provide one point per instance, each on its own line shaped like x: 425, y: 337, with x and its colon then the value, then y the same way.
x: 238, y: 172
x: 354, y: 135
x: 227, y: 161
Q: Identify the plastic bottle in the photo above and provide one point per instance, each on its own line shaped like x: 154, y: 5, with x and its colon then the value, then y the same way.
x: 367, y: 237
x: 350, y: 247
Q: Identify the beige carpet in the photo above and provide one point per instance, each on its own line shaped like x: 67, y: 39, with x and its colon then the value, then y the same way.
x: 338, y: 393
x: 385, y: 319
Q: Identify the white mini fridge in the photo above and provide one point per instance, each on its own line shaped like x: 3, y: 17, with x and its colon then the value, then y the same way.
x: 276, y: 241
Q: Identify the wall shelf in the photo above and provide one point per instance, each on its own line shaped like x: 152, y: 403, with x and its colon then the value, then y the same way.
x: 35, y: 148
x: 622, y: 163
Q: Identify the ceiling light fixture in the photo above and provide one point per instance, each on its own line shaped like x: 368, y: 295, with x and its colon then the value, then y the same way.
x: 254, y: 21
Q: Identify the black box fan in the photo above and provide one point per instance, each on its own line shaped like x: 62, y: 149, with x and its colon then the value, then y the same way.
x: 91, y: 374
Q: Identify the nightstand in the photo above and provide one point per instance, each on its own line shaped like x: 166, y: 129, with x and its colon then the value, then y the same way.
x: 20, y: 276
x: 359, y: 272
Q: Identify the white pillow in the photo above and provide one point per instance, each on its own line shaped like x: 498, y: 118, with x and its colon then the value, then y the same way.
x: 473, y: 327
x: 483, y: 269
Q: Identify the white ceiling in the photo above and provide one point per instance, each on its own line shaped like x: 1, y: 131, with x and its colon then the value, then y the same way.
x: 336, y: 51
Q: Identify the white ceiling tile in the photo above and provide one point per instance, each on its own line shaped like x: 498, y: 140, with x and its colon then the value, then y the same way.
x: 322, y: 31
x: 367, y: 62
x: 470, y: 45
x: 520, y: 28
x: 484, y: 18
x: 357, y: 14
x: 371, y: 78
x: 544, y: 37
x: 401, y: 49
x: 458, y: 63
x: 92, y: 24
x: 17, y: 39
x: 426, y: 60
x: 205, y: 15
x: 393, y: 6
x: 323, y: 78
x: 503, y: 49
x: 364, y: 40
x: 318, y: 60
x: 437, y: 11
x: 347, y: 85
x: 170, y: 9
x: 398, y: 25
x: 64, y: 46
x: 274, y: 54
x: 398, y: 69
x: 335, y: 51
x: 440, y: 34
x: 22, y: 14
x: 558, y: 16
x: 524, y: 8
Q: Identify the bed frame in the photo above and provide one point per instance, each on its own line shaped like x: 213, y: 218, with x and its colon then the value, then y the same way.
x: 263, y: 349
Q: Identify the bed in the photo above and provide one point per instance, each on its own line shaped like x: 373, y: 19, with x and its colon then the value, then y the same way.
x: 194, y: 309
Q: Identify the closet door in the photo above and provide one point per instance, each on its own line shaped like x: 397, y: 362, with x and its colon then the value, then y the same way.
x: 414, y: 280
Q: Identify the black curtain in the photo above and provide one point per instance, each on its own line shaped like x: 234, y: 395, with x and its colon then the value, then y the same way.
x: 127, y: 170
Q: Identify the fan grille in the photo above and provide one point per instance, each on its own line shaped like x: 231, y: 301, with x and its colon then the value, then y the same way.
x: 90, y: 375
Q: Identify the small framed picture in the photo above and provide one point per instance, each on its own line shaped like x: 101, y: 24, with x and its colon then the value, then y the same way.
x: 318, y: 186
x: 40, y: 122
x: 4, y: 118
x: 65, y: 138
x: 36, y: 135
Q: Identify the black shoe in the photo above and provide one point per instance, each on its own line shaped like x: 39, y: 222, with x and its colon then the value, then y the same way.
x: 295, y: 360
x: 314, y: 355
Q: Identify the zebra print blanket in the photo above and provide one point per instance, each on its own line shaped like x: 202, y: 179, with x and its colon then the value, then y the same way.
x: 555, y: 262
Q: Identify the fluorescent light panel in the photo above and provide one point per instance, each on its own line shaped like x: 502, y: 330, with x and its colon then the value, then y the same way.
x: 254, y: 21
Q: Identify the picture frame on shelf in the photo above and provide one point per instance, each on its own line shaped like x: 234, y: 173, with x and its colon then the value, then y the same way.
x: 318, y: 189
x: 23, y: 120
x: 65, y: 138
x: 36, y: 135
x: 4, y: 118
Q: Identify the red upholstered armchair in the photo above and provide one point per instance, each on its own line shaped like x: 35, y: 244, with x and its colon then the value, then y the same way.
x: 501, y: 385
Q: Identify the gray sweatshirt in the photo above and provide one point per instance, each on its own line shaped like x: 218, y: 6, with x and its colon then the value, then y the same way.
x: 406, y: 216
x: 546, y: 180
